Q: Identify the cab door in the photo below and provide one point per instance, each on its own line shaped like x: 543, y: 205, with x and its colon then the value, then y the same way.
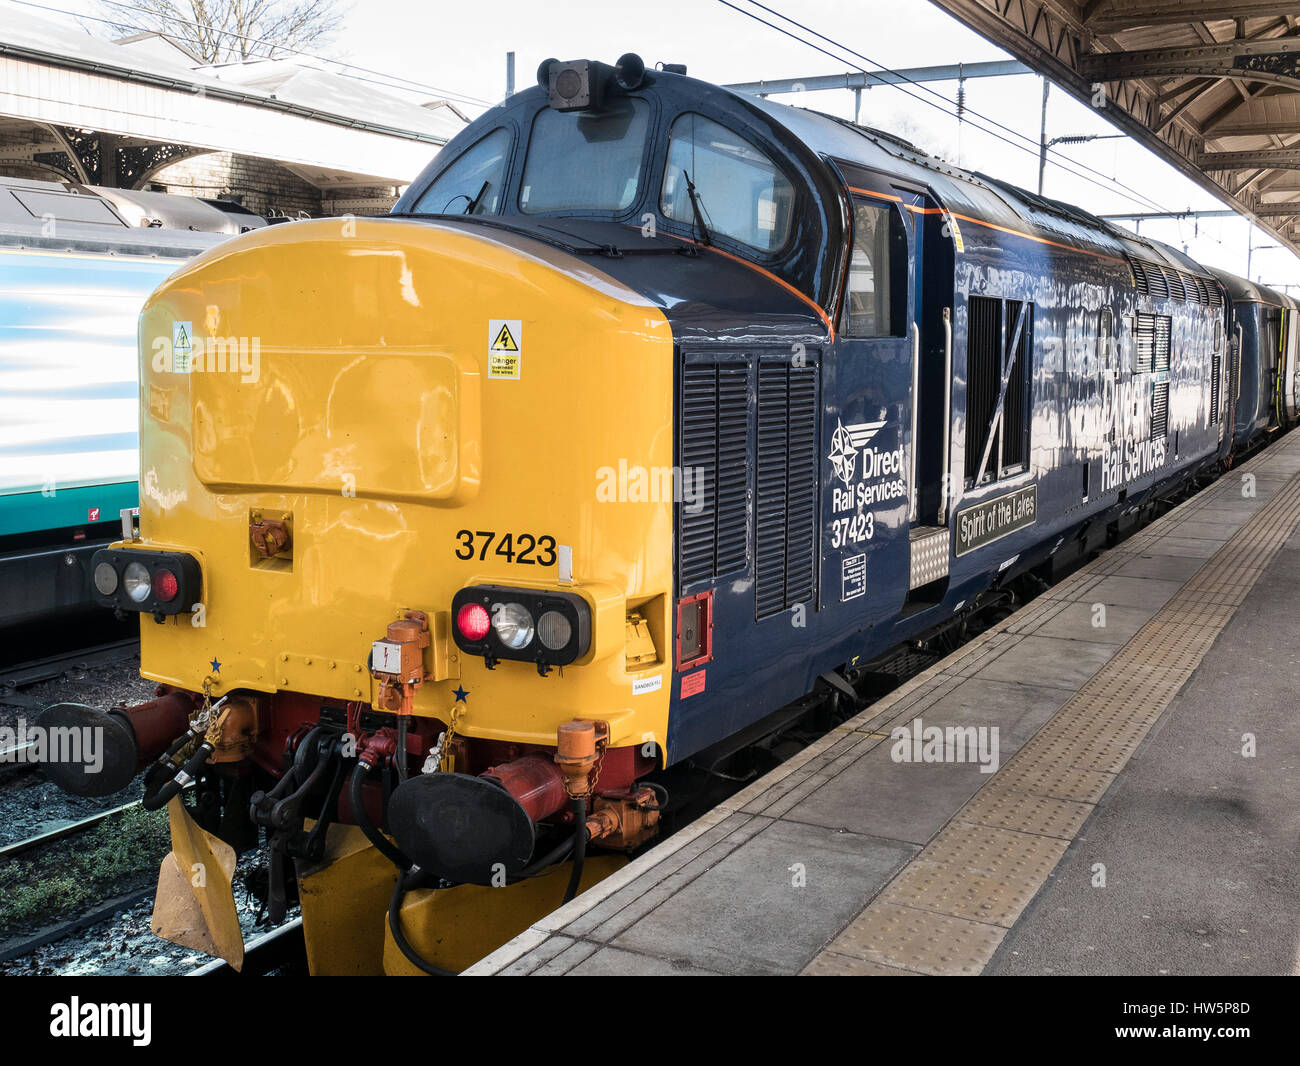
x: 872, y: 488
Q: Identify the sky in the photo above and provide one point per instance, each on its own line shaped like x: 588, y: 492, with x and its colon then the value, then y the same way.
x: 450, y: 48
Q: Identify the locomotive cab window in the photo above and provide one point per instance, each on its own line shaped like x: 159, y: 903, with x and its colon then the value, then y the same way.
x: 473, y: 183
x: 739, y: 191
x: 876, y: 294
x: 579, y: 161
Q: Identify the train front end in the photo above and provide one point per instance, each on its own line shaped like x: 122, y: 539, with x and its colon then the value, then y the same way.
x: 381, y: 580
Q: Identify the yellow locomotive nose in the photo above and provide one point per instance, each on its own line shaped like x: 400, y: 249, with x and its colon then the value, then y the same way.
x: 349, y: 420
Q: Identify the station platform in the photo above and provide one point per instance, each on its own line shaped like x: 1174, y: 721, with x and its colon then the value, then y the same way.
x: 1143, y: 816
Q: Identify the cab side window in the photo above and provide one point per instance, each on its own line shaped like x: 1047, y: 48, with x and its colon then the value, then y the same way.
x: 876, y: 294
x: 473, y: 183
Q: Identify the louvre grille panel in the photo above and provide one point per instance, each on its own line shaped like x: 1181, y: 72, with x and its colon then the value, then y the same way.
x: 1159, y: 410
x: 1156, y: 281
x: 802, y: 488
x: 1175, y: 282
x: 733, y: 480
x: 1015, y: 409
x: 983, y: 375
x: 1163, y: 325
x: 1234, y: 371
x: 712, y: 539
x: 785, y: 533
x: 1145, y: 335
x: 1216, y: 369
x: 699, y: 453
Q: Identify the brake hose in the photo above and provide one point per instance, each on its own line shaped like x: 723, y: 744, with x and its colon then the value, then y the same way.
x: 579, y: 847
x: 395, y: 925
x: 155, y: 801
x: 386, y: 847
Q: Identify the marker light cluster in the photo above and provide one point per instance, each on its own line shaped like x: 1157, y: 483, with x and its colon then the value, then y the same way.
x: 548, y: 628
x: 145, y: 581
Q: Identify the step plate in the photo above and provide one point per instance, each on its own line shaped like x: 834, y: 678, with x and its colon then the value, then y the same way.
x: 930, y: 551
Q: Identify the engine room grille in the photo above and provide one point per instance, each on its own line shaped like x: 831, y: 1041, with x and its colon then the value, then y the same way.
x: 1234, y: 373
x: 990, y: 327
x: 715, y: 420
x: 1216, y: 370
x: 785, y: 529
x: 1151, y: 334
x: 1159, y: 410
x: 1151, y: 279
x: 1163, y: 326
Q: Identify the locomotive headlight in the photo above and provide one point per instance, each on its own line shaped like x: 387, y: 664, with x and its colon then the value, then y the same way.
x: 137, y: 583
x: 513, y: 625
x: 554, y: 630
x: 105, y: 579
x: 546, y: 627
x: 151, y: 582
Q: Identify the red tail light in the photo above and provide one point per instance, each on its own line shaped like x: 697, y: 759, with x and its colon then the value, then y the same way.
x: 165, y: 585
x: 473, y: 622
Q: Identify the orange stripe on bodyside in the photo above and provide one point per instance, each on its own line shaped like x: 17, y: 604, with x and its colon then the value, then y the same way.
x: 767, y: 274
x: 988, y: 225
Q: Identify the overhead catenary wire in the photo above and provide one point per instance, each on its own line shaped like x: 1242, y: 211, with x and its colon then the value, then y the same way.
x: 1119, y: 189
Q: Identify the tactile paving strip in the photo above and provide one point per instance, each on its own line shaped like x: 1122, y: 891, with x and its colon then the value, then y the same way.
x: 947, y: 911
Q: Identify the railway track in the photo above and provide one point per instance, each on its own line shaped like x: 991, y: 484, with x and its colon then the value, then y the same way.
x: 20, y: 847
x: 283, y: 947
x: 33, y: 672
x: 45, y: 669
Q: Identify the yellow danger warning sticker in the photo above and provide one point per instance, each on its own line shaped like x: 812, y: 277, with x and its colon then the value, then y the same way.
x: 505, y: 347
x: 182, y: 346
x: 956, y: 234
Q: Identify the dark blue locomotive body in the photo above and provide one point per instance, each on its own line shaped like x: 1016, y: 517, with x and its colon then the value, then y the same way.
x: 901, y: 385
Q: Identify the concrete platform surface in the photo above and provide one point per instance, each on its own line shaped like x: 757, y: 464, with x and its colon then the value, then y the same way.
x: 1137, y: 810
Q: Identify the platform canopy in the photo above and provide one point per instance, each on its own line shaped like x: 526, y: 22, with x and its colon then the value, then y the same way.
x: 146, y: 102
x: 1213, y: 86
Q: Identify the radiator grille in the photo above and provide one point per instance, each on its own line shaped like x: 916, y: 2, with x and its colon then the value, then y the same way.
x: 1234, y: 374
x: 1151, y: 334
x: 1163, y: 325
x: 1156, y: 283
x: 1216, y: 369
x: 1159, y: 410
x: 1140, y: 277
x: 785, y: 529
x: 713, y: 530
x: 1015, y: 408
x: 983, y: 375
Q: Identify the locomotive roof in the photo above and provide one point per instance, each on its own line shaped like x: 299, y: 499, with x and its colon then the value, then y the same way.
x: 963, y: 191
x: 1241, y: 290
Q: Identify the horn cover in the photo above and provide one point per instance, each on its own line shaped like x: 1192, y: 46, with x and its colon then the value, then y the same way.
x: 461, y: 828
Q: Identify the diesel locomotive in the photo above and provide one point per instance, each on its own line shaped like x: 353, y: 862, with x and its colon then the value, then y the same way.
x: 651, y: 409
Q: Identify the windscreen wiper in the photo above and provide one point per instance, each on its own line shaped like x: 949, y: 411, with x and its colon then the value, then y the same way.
x: 695, y: 207
x: 473, y: 204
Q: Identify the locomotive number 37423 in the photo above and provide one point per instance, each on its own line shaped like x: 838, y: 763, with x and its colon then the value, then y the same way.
x: 513, y: 547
